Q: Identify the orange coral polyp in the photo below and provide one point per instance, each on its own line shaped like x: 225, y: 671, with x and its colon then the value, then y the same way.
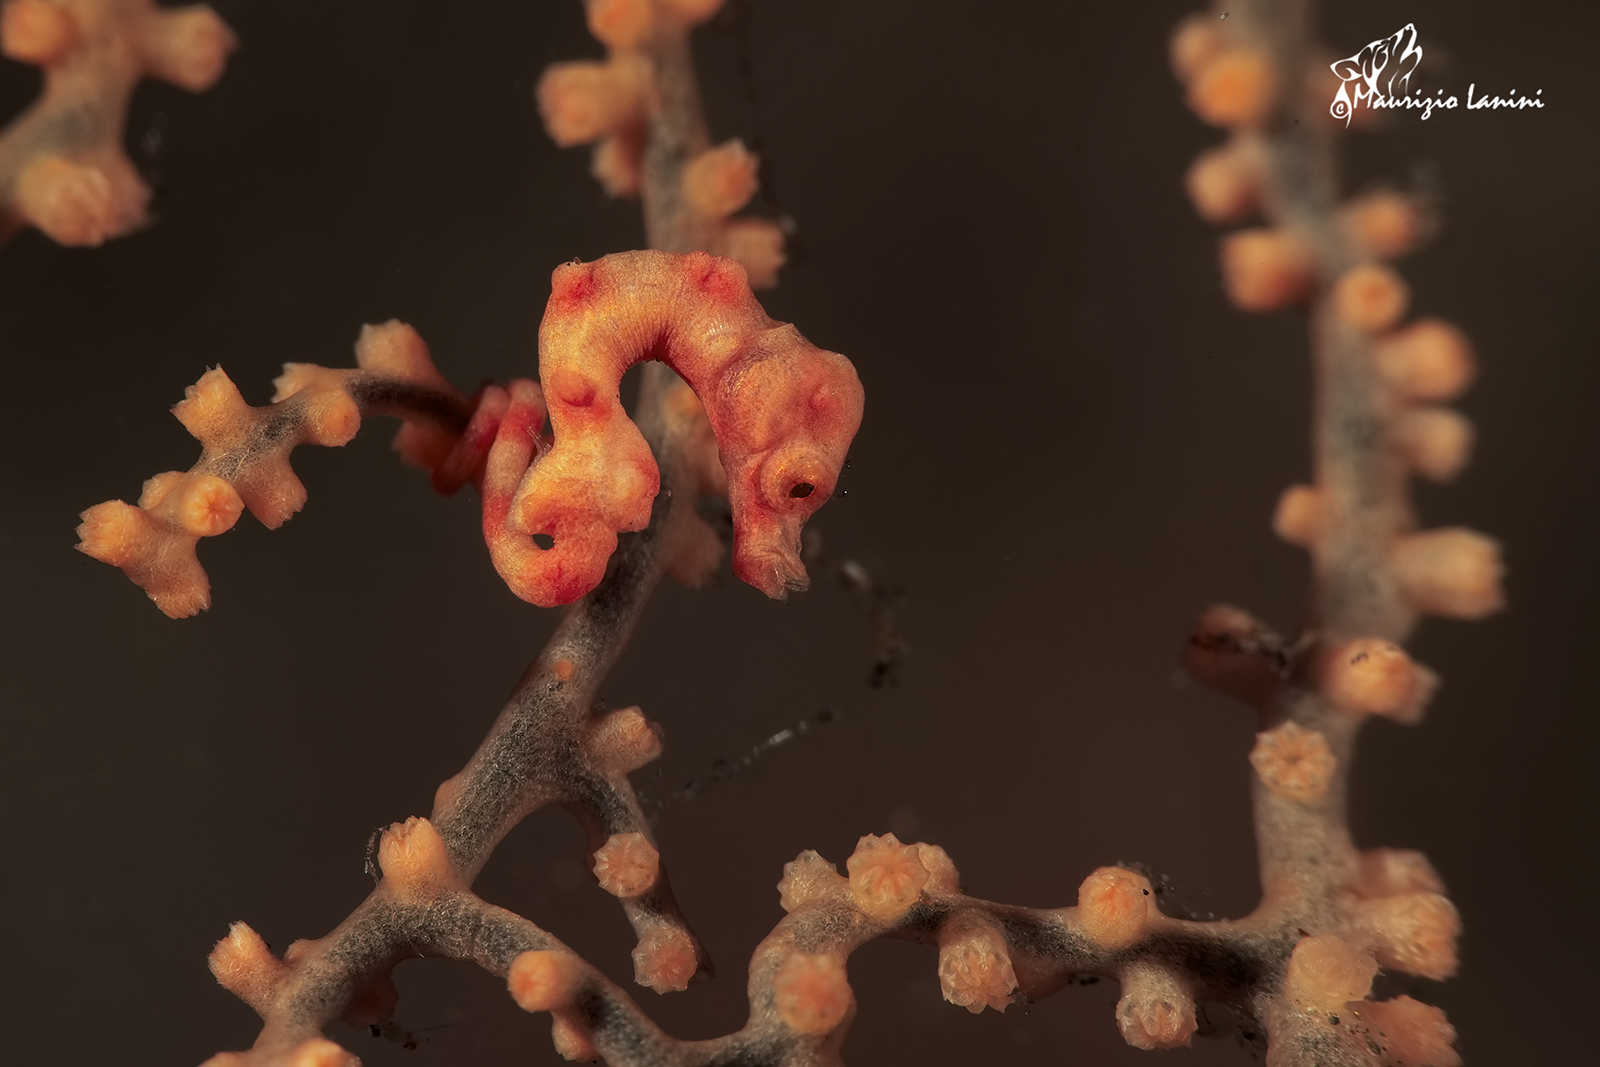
x: 62, y: 166
x: 624, y: 24
x: 1369, y: 676
x: 1327, y: 972
x: 886, y: 877
x: 313, y: 1052
x: 783, y: 412
x: 721, y: 181
x: 1414, y: 932
x: 975, y: 969
x: 1236, y: 87
x: 77, y: 204
x: 1436, y: 442
x: 544, y: 979
x: 1383, y: 224
x: 1298, y: 517
x: 690, y: 11
x: 1410, y: 1032
x: 1453, y: 572
x: 1115, y: 907
x: 584, y: 101
x: 627, y: 865
x: 811, y: 993
x: 1429, y: 360
x: 1293, y: 762
x: 33, y: 31
x: 1370, y: 297
x: 1267, y: 268
x: 665, y: 959
x: 413, y: 858
x: 208, y: 506
x: 246, y: 967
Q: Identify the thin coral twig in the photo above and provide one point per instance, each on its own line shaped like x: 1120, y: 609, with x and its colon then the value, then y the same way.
x: 245, y: 458
x: 1344, y: 913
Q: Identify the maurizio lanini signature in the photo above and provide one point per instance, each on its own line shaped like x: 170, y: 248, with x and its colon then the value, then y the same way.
x: 1380, y: 76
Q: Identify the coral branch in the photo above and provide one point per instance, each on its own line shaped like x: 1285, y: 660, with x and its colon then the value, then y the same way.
x: 770, y: 426
x: 1376, y: 423
x: 244, y: 462
x: 62, y: 167
x: 549, y: 745
x: 643, y: 108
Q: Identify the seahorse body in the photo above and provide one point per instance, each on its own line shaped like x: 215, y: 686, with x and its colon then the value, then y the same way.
x: 783, y: 412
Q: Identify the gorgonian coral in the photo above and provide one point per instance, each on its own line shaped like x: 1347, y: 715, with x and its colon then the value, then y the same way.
x: 1302, y: 964
x: 781, y: 414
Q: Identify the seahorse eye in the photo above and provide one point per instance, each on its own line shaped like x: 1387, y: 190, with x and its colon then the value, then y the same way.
x: 790, y: 475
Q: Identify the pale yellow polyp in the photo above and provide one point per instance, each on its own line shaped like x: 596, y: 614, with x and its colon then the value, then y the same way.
x: 1436, y: 441
x: 1387, y: 872
x: 413, y: 858
x: 1369, y: 676
x: 246, y: 967
x: 665, y: 959
x: 1325, y: 973
x: 1195, y: 41
x: 1453, y: 572
x: 627, y: 865
x: 975, y: 968
x: 571, y: 1042
x: 619, y: 741
x: 886, y: 877
x: 1298, y: 518
x: 1294, y: 762
x: 1413, y: 932
x: 720, y: 181
x: 942, y: 874
x: 1429, y: 360
x: 319, y: 1052
x: 1156, y: 1010
x: 807, y: 878
x: 1224, y: 183
x: 1115, y: 906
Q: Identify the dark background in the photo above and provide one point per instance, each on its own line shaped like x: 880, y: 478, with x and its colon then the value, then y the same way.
x: 1072, y: 445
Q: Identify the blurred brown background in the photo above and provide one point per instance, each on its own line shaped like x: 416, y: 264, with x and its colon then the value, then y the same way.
x: 1072, y: 445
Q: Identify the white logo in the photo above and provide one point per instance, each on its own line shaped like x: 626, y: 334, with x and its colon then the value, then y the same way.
x: 1364, y: 70
x: 1380, y: 76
